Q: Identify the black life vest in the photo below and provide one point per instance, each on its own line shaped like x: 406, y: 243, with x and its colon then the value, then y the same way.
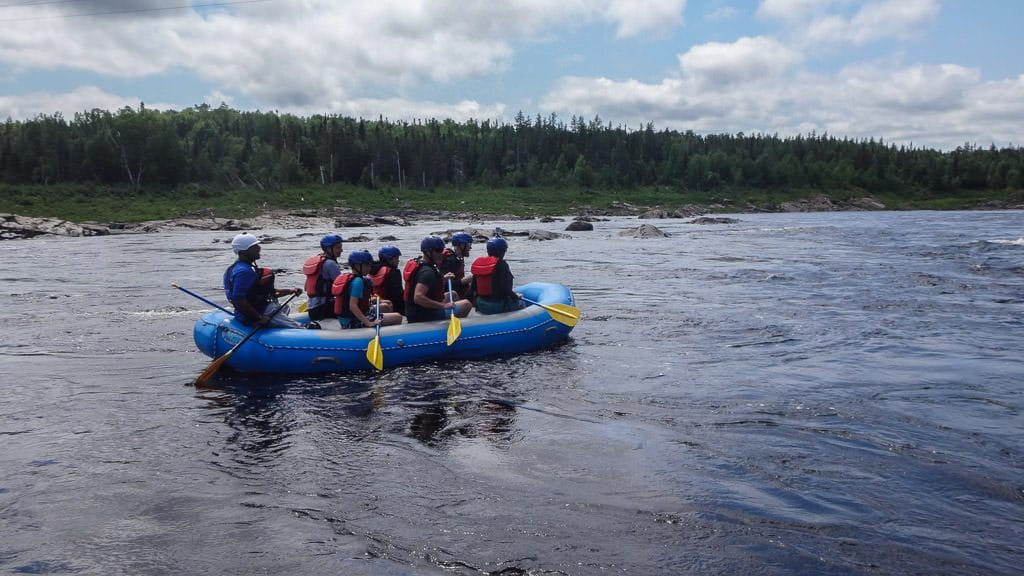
x: 483, y: 273
x: 412, y: 267
x: 341, y: 290
x: 316, y: 284
x: 454, y: 263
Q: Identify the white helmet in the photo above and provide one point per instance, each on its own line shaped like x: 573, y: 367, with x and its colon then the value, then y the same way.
x: 243, y: 242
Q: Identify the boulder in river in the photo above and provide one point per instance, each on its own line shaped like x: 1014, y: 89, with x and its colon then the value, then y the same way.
x: 545, y: 235
x: 644, y: 231
x: 657, y: 213
x: 713, y: 220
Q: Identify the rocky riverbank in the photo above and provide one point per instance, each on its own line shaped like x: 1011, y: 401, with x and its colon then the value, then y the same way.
x: 13, y: 226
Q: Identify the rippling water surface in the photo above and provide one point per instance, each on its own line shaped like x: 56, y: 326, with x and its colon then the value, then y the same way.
x: 790, y: 394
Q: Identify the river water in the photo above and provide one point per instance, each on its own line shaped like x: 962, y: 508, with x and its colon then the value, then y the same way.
x: 790, y: 394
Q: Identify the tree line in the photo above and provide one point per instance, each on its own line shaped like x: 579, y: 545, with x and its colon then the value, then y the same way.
x: 220, y: 146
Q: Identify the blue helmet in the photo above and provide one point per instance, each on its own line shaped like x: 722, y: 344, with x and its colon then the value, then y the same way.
x: 497, y: 247
x: 330, y: 240
x: 461, y: 238
x: 388, y: 252
x: 361, y: 257
x: 432, y: 243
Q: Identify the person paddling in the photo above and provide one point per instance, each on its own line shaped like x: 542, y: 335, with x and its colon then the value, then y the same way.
x: 250, y: 289
x: 493, y: 280
x: 425, y: 297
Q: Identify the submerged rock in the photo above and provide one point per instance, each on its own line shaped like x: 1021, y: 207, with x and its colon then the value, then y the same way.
x: 644, y: 231
x: 481, y: 235
x: 545, y: 235
x: 713, y: 220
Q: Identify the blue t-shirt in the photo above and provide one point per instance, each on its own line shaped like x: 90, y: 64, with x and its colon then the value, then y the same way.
x: 239, y: 281
x: 356, y: 289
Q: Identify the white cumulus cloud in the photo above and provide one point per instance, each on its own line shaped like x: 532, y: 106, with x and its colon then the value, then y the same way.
x: 78, y: 100
x: 744, y: 60
x: 635, y: 17
x: 844, y: 22
x: 932, y: 105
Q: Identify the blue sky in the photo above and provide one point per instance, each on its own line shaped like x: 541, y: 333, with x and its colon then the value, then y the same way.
x: 935, y: 73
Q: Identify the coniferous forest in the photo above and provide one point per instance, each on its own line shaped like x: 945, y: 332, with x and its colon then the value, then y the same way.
x: 142, y: 150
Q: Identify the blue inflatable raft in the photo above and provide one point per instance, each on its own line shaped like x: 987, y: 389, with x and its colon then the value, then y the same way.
x: 300, y: 351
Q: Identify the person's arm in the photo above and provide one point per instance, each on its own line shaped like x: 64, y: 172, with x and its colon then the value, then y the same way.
x: 421, y: 298
x: 395, y: 291
x: 242, y: 281
x: 505, y: 281
x: 353, y: 305
x: 356, y: 290
x: 249, y: 311
x: 330, y: 270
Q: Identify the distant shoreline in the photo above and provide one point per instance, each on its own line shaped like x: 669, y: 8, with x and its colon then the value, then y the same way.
x: 125, y: 208
x: 14, y: 226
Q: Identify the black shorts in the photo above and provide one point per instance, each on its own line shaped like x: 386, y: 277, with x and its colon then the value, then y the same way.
x: 427, y: 315
x: 322, y: 312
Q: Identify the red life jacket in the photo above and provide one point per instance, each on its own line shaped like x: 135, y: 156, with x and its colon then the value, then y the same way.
x: 378, y: 279
x: 483, y: 273
x: 316, y: 285
x: 340, y: 290
x: 412, y: 266
x: 264, y: 286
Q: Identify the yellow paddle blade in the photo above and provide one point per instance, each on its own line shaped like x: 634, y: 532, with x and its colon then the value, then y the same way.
x: 304, y: 306
x: 568, y: 315
x: 454, y: 329
x: 374, y: 354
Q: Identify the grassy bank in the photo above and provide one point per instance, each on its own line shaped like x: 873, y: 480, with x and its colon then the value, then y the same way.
x: 80, y: 203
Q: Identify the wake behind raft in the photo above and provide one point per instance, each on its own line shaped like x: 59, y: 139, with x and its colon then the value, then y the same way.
x: 300, y: 351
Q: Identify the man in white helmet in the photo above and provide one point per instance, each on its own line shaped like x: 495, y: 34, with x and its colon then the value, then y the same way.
x: 250, y: 289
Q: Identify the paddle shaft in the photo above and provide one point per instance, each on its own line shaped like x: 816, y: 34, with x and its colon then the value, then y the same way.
x: 216, y: 364
x: 454, y: 325
x: 194, y: 295
x: 374, y: 353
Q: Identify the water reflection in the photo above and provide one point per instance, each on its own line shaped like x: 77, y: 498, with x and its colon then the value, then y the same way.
x: 260, y: 425
x: 441, y: 417
x: 427, y: 424
x: 265, y: 413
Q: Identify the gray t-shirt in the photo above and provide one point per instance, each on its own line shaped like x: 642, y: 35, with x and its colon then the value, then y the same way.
x: 330, y: 270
